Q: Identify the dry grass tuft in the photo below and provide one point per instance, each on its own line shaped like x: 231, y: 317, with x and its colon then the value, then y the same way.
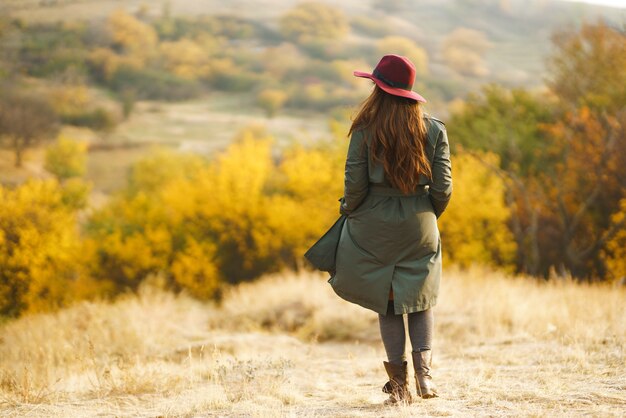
x: 480, y: 304
x: 302, y: 304
x: 95, y: 346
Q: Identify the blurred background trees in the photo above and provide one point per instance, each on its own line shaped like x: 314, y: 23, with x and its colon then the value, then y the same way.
x: 562, y: 154
x: 311, y: 21
x: 25, y: 120
x: 546, y: 163
x: 464, y: 51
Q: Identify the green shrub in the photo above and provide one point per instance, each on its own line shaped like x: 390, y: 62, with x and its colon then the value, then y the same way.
x: 98, y: 119
x: 154, y: 84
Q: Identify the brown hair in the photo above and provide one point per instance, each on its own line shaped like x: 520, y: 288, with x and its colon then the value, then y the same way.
x: 398, y: 137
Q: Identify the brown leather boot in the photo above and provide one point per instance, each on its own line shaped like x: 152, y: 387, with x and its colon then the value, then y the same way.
x: 423, y: 379
x: 398, y: 385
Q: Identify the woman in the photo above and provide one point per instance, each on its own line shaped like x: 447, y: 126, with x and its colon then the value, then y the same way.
x: 397, y: 183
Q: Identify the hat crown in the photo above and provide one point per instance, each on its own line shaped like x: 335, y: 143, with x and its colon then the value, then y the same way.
x: 395, y: 75
x: 396, y: 71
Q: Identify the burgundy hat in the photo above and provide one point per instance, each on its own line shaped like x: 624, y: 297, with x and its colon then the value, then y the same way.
x: 394, y: 74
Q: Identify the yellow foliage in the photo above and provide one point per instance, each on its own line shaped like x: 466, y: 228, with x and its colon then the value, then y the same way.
x: 162, y: 167
x: 238, y: 208
x: 66, y: 158
x: 238, y: 216
x: 139, y: 253
x: 474, y: 226
x: 108, y: 62
x: 69, y: 100
x: 39, y: 248
x: 186, y: 59
x: 223, y: 66
x: 241, y: 172
x: 271, y: 100
x: 400, y: 45
x: 76, y: 193
x: 194, y: 269
x: 312, y: 184
x: 131, y: 239
x: 196, y: 223
x: 131, y: 34
x: 312, y: 174
x: 136, y: 40
x: 615, y: 253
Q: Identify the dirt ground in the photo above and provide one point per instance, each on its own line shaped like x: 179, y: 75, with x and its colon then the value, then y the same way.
x: 263, y: 375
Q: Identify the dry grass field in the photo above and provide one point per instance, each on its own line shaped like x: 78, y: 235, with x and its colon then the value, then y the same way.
x: 287, y: 346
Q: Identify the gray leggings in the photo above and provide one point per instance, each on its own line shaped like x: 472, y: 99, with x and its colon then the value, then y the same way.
x: 394, y: 336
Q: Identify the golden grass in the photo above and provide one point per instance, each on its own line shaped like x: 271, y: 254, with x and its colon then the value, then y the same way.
x: 286, y: 345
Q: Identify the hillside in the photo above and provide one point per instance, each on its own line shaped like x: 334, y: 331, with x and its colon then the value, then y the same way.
x: 519, y: 31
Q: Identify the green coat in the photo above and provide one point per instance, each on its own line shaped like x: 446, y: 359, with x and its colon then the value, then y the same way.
x: 390, y: 239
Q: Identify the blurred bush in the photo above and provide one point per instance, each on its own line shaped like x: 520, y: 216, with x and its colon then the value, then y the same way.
x: 153, y: 84
x: 310, y: 21
x: 271, y: 100
x: 41, y: 257
x: 186, y: 59
x: 66, y: 158
x: 615, y: 253
x: 474, y: 228
x: 74, y: 104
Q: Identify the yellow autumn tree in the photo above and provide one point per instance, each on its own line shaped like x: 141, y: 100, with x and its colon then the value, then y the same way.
x: 614, y: 254
x: 131, y: 240
x: 40, y: 249
x: 186, y: 58
x: 133, y: 44
x: 194, y: 269
x: 474, y: 226
x: 310, y: 184
x: 234, y: 206
x: 139, y: 234
x: 131, y: 34
x: 66, y: 158
x: 271, y: 100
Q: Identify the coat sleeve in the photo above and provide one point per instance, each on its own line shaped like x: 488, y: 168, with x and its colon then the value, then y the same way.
x: 440, y: 186
x: 356, y: 179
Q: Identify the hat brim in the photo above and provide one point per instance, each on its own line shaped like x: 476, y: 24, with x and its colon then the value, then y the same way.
x: 391, y: 90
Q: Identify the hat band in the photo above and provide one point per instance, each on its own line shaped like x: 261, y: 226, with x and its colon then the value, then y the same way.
x: 402, y: 86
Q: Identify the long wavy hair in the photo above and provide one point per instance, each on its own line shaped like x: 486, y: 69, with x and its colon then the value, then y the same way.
x: 398, y: 137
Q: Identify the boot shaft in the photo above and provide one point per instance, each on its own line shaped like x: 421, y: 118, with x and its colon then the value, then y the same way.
x: 398, y: 385
x: 423, y: 379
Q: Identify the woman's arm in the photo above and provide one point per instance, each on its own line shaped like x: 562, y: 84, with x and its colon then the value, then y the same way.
x: 441, y: 185
x: 356, y: 179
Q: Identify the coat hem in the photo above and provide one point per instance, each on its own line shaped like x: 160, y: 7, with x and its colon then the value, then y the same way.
x: 383, y: 311
x: 421, y: 307
x: 349, y: 298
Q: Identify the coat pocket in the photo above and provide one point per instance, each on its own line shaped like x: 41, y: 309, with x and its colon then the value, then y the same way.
x: 356, y: 245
